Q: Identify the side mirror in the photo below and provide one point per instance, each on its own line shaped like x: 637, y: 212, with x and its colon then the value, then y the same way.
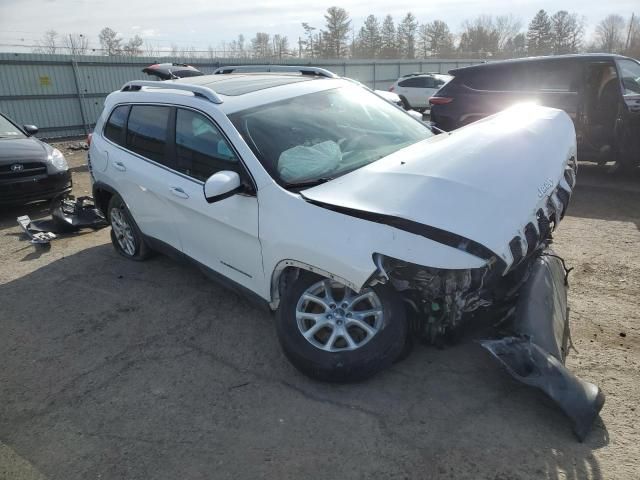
x: 222, y: 185
x: 30, y: 129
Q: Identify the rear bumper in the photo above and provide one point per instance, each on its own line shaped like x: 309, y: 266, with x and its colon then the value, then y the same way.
x: 31, y: 189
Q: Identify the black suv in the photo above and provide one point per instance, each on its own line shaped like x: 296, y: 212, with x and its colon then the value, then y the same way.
x: 600, y: 92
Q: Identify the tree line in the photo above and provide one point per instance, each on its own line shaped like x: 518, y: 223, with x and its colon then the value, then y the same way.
x: 485, y: 36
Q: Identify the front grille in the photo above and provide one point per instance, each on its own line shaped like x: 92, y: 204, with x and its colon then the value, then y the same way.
x: 515, y: 245
x: 28, y: 170
x: 531, y: 235
x: 563, y: 196
x: 544, y: 226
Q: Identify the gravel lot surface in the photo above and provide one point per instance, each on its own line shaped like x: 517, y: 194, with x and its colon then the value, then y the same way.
x: 112, y: 369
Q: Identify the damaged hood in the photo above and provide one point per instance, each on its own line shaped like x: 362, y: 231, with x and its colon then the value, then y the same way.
x: 483, y: 183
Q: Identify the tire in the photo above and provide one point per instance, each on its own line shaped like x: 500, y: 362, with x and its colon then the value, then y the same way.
x: 125, y: 234
x: 344, y: 363
x: 405, y: 103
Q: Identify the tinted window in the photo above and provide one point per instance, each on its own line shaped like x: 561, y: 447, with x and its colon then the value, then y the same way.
x: 413, y: 82
x: 147, y: 131
x: 555, y: 77
x: 506, y: 78
x: 630, y: 73
x: 114, y: 128
x: 533, y: 76
x: 201, y: 150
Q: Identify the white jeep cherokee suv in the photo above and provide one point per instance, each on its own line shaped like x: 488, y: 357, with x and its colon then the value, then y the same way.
x: 344, y: 214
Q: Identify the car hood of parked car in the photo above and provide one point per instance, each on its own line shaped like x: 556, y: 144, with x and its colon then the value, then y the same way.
x: 22, y: 150
x: 482, y: 183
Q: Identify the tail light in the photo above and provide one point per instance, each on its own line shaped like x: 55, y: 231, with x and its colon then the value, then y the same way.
x: 440, y: 100
x: 89, y: 137
x: 392, y: 88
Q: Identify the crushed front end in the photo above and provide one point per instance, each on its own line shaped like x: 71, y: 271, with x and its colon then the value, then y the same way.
x: 526, y: 296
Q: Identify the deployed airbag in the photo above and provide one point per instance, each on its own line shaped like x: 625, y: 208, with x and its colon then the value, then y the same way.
x: 302, y: 163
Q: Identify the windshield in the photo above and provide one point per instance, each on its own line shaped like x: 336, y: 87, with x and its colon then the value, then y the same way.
x: 9, y: 130
x: 320, y: 136
x: 630, y: 72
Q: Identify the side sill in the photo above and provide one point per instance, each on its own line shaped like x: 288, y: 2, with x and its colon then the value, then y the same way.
x: 172, y: 252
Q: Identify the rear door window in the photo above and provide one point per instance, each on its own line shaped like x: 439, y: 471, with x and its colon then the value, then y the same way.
x: 147, y: 131
x: 201, y: 149
x: 114, y: 128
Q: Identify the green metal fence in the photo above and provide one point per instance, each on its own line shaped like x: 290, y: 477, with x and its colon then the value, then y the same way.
x: 64, y: 95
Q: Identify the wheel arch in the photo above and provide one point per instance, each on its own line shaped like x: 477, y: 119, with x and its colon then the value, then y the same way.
x: 102, y: 194
x: 288, y: 270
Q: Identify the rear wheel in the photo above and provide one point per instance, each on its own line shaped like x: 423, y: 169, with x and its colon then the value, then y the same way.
x: 125, y: 234
x: 332, y: 333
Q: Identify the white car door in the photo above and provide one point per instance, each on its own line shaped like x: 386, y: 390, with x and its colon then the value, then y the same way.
x: 222, y: 235
x: 136, y: 165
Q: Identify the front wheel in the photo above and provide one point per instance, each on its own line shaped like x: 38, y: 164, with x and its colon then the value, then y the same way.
x: 331, y: 333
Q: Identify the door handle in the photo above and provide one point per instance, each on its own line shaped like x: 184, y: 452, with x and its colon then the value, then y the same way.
x: 179, y: 192
x: 119, y: 166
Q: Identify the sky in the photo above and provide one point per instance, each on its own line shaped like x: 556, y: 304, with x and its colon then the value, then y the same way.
x: 200, y: 23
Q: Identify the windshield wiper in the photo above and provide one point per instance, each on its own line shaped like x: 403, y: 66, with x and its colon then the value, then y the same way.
x: 308, y: 183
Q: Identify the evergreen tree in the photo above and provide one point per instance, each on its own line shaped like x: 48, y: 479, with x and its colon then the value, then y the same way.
x: 388, y: 47
x: 336, y: 35
x: 369, y: 40
x: 539, y: 37
x: 407, y: 36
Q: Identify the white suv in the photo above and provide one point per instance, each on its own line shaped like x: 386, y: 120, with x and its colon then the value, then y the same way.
x: 414, y: 89
x: 337, y: 209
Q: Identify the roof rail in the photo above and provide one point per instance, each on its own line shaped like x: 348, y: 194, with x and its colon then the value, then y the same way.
x: 320, y: 72
x: 197, y: 90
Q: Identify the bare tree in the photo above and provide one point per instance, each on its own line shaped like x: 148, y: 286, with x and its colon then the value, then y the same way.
x: 76, y: 43
x: 110, y: 42
x: 150, y: 50
x: 133, y: 48
x: 507, y: 27
x: 261, y: 45
x: 280, y: 46
x: 567, y: 30
x: 610, y: 34
x: 174, y: 49
x: 336, y: 34
x: 480, y: 36
x: 48, y: 43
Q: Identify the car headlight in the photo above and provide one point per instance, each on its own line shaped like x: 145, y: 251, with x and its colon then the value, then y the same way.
x: 57, y: 160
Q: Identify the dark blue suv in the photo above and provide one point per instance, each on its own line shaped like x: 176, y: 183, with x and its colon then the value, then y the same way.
x: 600, y: 92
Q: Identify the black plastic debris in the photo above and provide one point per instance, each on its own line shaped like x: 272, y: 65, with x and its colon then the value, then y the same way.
x: 68, y: 215
x: 35, y: 237
x: 535, y: 350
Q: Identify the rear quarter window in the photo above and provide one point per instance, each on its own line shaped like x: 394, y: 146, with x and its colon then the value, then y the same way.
x: 553, y: 76
x: 114, y: 128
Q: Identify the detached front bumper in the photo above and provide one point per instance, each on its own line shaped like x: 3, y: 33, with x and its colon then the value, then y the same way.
x: 536, y: 348
x: 30, y: 189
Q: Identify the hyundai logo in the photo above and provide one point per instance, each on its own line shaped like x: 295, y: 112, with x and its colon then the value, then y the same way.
x: 17, y: 167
